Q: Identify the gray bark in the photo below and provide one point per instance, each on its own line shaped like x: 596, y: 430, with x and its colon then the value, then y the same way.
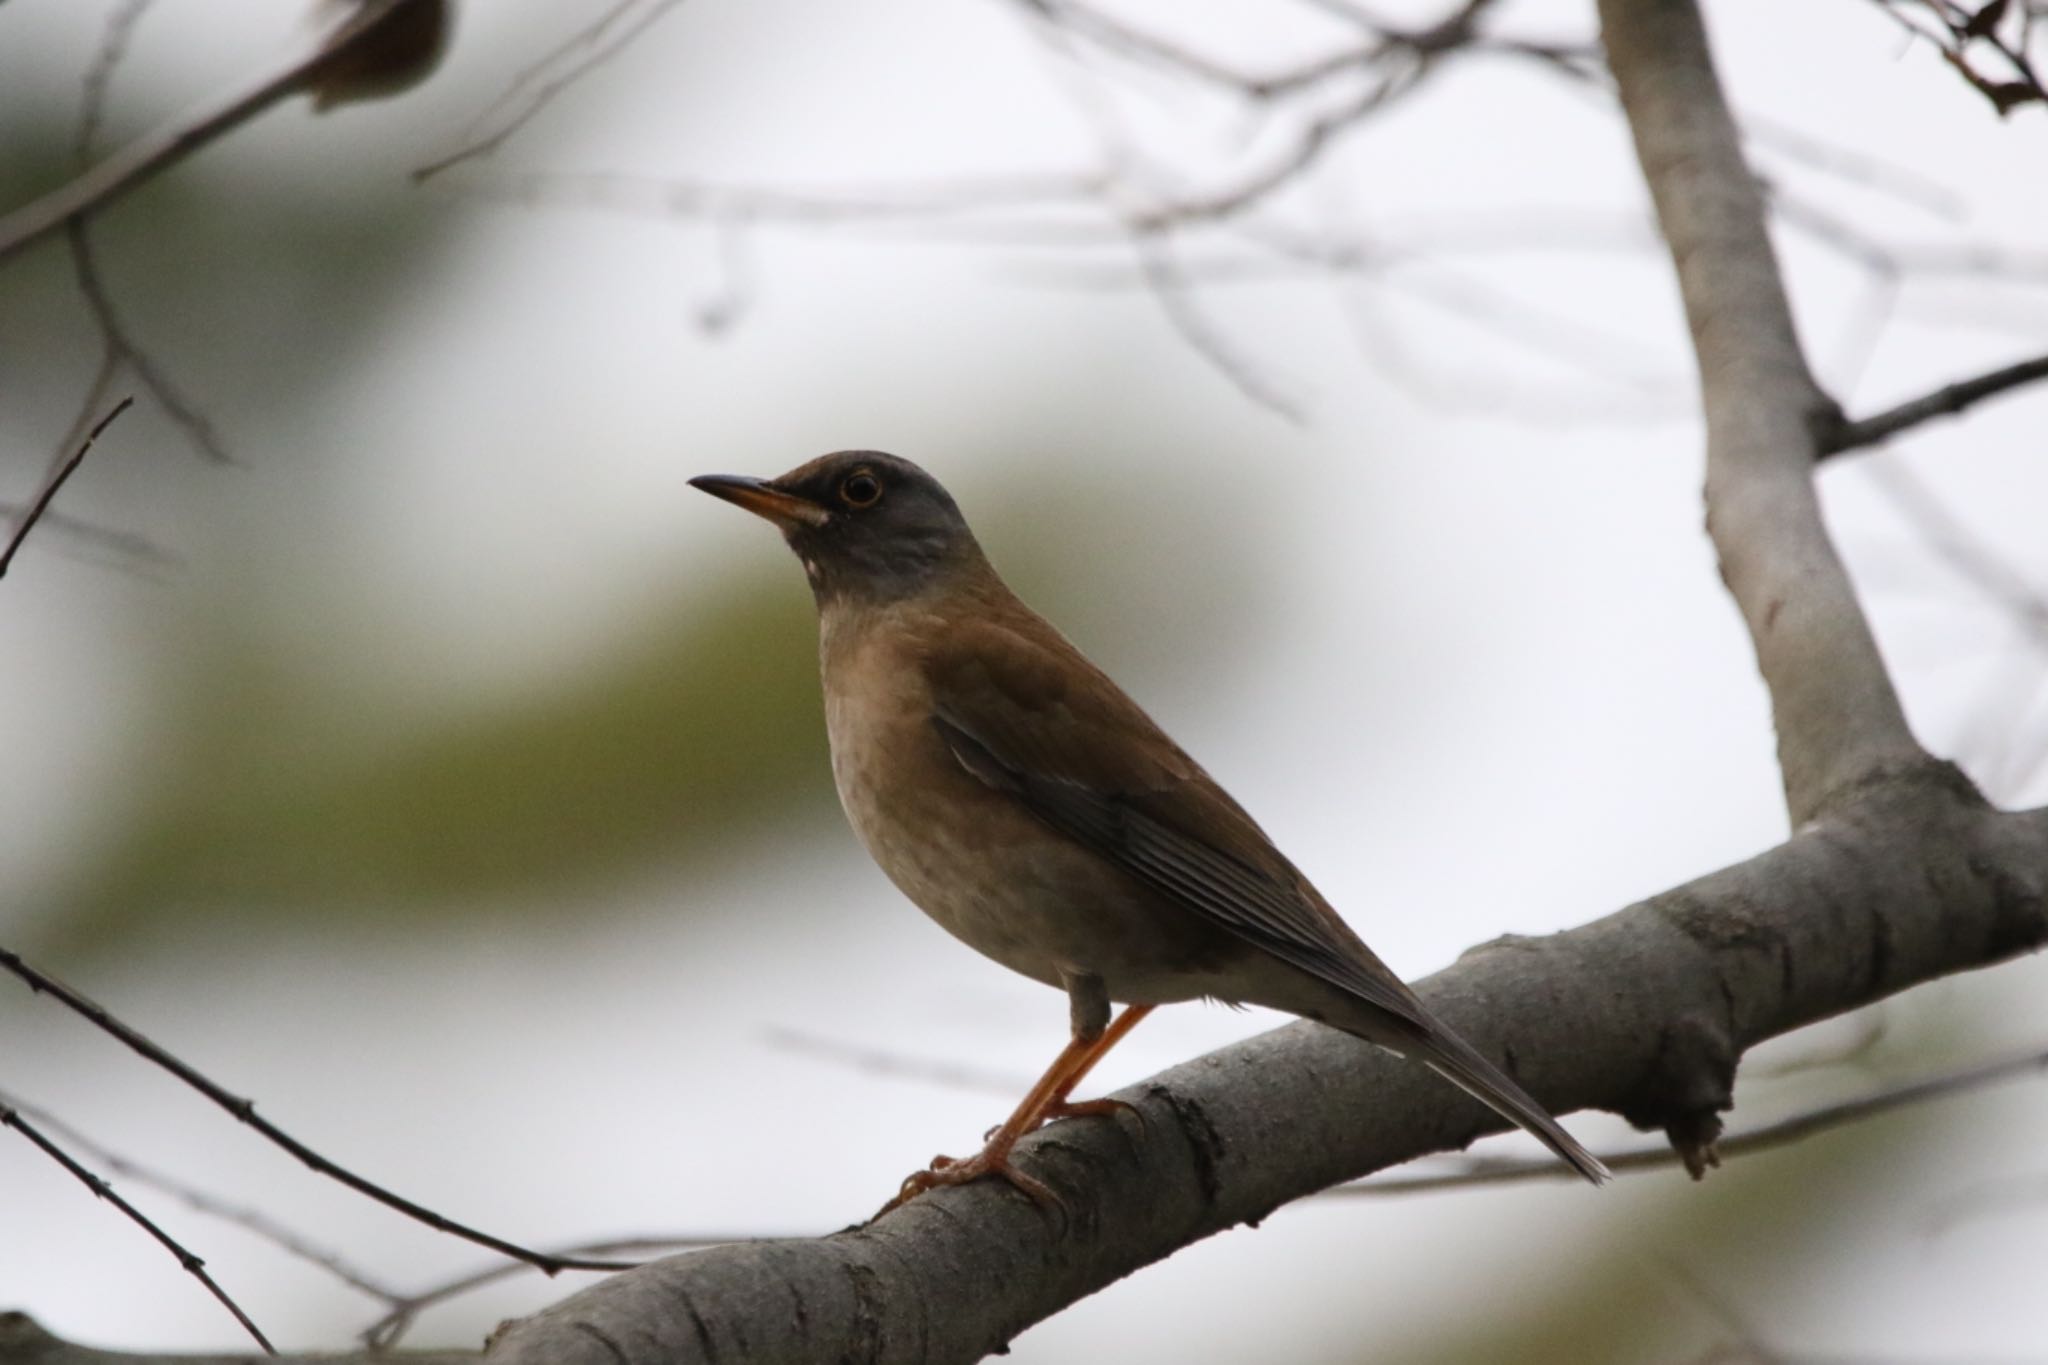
x: 1644, y: 1012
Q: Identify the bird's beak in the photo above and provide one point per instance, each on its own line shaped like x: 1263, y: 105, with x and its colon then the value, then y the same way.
x: 763, y: 499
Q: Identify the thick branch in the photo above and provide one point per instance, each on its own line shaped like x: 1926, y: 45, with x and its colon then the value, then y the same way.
x: 1838, y: 717
x: 1912, y: 879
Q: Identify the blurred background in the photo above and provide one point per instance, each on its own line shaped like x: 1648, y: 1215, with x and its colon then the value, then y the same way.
x: 447, y: 775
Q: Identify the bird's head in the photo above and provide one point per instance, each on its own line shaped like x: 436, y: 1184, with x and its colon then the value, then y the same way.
x: 867, y: 526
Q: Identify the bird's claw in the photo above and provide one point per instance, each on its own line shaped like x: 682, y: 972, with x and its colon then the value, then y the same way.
x: 1069, y: 1109
x: 961, y: 1170
x: 1088, y: 1109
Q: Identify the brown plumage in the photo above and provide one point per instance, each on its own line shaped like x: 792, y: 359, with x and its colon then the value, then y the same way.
x: 1019, y: 798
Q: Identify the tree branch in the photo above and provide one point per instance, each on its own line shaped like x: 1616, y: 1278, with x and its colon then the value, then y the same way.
x: 192, y: 1265
x: 1911, y: 878
x: 162, y: 148
x: 1946, y: 401
x: 244, y: 1110
x: 56, y: 482
x: 1838, y: 717
x: 1782, y: 1133
x: 1898, y: 873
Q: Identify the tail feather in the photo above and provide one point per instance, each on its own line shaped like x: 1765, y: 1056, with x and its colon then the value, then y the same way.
x: 1460, y: 1063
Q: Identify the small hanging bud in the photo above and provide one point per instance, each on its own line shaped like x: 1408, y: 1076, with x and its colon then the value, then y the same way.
x: 391, y: 56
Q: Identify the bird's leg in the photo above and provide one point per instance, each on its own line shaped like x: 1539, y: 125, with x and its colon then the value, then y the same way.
x: 1047, y: 1100
x: 994, y: 1158
x: 1058, y: 1106
x: 1088, y: 1003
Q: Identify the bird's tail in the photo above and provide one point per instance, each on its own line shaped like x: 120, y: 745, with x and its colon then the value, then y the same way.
x: 1458, y: 1062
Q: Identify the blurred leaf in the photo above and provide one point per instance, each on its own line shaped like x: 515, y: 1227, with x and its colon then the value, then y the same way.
x: 692, y: 727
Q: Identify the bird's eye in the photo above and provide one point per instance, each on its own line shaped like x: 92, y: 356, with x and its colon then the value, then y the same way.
x: 861, y: 489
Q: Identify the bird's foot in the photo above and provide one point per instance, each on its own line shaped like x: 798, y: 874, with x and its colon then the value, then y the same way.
x: 946, y: 1170
x: 1070, y: 1109
x: 1090, y: 1109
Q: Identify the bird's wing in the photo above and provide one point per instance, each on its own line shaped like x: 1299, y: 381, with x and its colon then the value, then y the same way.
x: 1028, y: 715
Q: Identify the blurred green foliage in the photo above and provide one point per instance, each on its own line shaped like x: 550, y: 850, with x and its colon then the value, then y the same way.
x: 694, y: 724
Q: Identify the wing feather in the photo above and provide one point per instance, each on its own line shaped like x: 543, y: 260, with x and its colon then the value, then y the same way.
x: 1087, y: 762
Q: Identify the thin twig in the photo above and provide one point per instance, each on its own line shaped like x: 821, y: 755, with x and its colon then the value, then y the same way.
x: 118, y: 348
x: 1457, y: 32
x: 251, y: 1220
x: 1162, y: 274
x: 1316, y: 138
x: 1855, y: 166
x: 127, y: 551
x: 1128, y: 40
x: 401, y: 1309
x: 114, y: 40
x: 883, y: 202
x: 1963, y: 550
x: 540, y: 94
x: 161, y: 148
x: 56, y: 481
x: 1515, y: 1170
x: 1946, y: 401
x: 879, y: 1062
x: 1959, y: 29
x: 385, y: 1332
x: 245, y: 1110
x: 12, y: 1118
x: 122, y: 349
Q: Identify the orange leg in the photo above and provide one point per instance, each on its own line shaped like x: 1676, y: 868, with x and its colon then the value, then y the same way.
x: 1057, y: 1106
x: 1046, y: 1101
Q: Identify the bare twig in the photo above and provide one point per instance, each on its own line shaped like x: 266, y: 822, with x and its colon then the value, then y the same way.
x: 1854, y: 165
x: 912, y: 200
x: 402, y: 1308
x: 879, y: 1062
x: 1784, y: 1132
x: 1964, y: 551
x: 245, y: 1111
x: 1457, y: 32
x: 535, y: 88
x: 1849, y: 239
x: 1124, y: 39
x: 114, y: 38
x: 1946, y: 401
x: 162, y: 148
x: 251, y: 1220
x: 120, y: 348
x: 1308, y: 146
x: 55, y: 482
x: 1958, y: 33
x: 125, y: 550
x: 386, y: 1332
x: 1176, y: 301
x: 12, y: 1118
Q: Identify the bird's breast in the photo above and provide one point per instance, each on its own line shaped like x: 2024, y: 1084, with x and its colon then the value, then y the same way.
x: 969, y: 856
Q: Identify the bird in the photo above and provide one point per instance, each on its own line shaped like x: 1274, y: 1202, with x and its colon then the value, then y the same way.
x: 1018, y: 797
